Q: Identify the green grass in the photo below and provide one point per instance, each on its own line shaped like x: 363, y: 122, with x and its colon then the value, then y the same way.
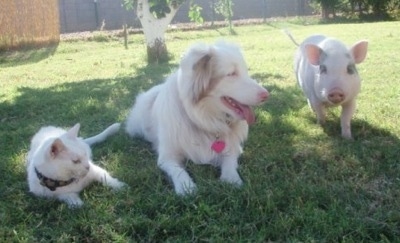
x: 302, y: 182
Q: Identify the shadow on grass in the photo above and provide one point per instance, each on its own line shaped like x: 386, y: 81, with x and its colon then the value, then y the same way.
x: 283, y: 165
x: 263, y: 77
x: 321, y: 169
x: 273, y: 139
x: 361, y: 18
x: 361, y: 174
x: 95, y: 104
x: 371, y: 145
x: 25, y: 56
x: 272, y: 127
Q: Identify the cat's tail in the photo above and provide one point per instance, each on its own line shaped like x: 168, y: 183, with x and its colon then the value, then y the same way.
x: 111, y: 130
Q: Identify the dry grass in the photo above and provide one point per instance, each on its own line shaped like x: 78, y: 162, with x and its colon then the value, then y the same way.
x: 28, y: 23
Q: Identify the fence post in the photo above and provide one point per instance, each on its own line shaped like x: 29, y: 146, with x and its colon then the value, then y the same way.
x: 212, y: 12
x: 264, y: 10
x: 96, y: 12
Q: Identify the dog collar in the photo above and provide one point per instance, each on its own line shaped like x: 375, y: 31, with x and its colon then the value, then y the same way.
x: 218, y: 145
x: 228, y: 119
x: 50, y: 183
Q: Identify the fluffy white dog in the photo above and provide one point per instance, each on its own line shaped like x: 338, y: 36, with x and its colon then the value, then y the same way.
x: 201, y: 112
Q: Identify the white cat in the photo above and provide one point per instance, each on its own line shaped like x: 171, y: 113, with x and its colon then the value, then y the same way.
x: 59, y: 164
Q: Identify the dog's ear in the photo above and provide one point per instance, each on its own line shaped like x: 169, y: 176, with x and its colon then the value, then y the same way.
x: 202, y: 72
x: 195, y: 72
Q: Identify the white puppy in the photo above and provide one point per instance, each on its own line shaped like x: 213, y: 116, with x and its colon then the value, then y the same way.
x: 201, y: 113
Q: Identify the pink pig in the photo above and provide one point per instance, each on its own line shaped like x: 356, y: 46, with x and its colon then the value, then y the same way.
x: 326, y: 72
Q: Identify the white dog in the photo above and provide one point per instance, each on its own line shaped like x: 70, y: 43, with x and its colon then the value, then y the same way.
x: 201, y: 112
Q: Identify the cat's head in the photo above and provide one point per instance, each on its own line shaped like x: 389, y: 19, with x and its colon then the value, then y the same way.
x: 68, y: 156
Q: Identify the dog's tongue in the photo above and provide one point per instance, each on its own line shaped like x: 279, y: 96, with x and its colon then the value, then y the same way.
x: 242, y: 110
x: 248, y: 114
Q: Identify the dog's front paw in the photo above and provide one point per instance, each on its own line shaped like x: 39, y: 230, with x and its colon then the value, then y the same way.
x: 232, y: 178
x: 186, y: 187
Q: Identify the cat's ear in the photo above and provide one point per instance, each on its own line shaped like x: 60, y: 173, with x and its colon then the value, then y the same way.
x: 73, y: 132
x: 56, y: 147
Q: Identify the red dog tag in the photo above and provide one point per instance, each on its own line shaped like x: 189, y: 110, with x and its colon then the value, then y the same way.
x: 218, y: 146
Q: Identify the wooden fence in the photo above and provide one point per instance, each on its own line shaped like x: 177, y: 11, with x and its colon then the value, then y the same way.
x: 28, y: 23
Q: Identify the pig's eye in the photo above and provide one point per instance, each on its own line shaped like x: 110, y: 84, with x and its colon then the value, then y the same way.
x: 351, y: 69
x: 322, y: 69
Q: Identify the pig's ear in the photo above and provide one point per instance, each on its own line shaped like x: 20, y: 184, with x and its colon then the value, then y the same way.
x: 313, y: 53
x: 359, y: 51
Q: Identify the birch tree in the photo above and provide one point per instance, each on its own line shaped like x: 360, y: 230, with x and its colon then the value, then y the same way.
x: 155, y: 16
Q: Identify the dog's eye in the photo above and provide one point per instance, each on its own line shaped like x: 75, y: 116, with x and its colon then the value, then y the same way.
x: 76, y: 161
x: 234, y: 73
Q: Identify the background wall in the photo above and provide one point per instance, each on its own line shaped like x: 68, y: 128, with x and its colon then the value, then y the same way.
x: 88, y: 15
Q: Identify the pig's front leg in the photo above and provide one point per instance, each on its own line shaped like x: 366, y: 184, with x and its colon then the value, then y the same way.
x: 348, y: 110
x: 319, y: 109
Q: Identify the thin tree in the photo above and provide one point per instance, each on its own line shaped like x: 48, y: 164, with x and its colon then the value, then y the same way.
x: 155, y: 16
x: 328, y: 7
x: 225, y: 8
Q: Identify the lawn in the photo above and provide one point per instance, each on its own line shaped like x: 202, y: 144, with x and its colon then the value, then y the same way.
x: 302, y: 182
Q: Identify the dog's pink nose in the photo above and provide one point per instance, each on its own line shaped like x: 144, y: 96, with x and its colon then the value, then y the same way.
x: 263, y: 95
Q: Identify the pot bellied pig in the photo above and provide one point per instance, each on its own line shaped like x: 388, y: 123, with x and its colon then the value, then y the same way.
x: 326, y: 72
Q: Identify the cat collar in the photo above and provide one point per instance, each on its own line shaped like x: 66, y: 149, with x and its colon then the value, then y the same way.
x: 50, y: 183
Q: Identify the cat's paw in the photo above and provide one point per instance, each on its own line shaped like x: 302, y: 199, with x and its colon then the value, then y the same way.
x: 72, y: 200
x: 76, y: 204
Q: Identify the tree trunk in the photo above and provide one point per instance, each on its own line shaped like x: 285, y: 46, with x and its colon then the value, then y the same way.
x: 154, y: 31
x: 352, y: 7
x: 229, y: 9
x: 157, y: 52
x: 360, y: 8
x: 328, y: 8
x: 324, y: 11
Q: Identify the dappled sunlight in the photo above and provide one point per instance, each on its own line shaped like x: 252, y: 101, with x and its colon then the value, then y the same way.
x: 93, y: 103
x: 287, y: 138
x: 302, y: 181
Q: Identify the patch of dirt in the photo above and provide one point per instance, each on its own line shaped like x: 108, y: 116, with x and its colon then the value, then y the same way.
x: 87, y: 35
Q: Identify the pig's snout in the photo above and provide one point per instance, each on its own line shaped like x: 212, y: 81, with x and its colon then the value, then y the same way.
x: 263, y: 95
x: 336, y: 96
